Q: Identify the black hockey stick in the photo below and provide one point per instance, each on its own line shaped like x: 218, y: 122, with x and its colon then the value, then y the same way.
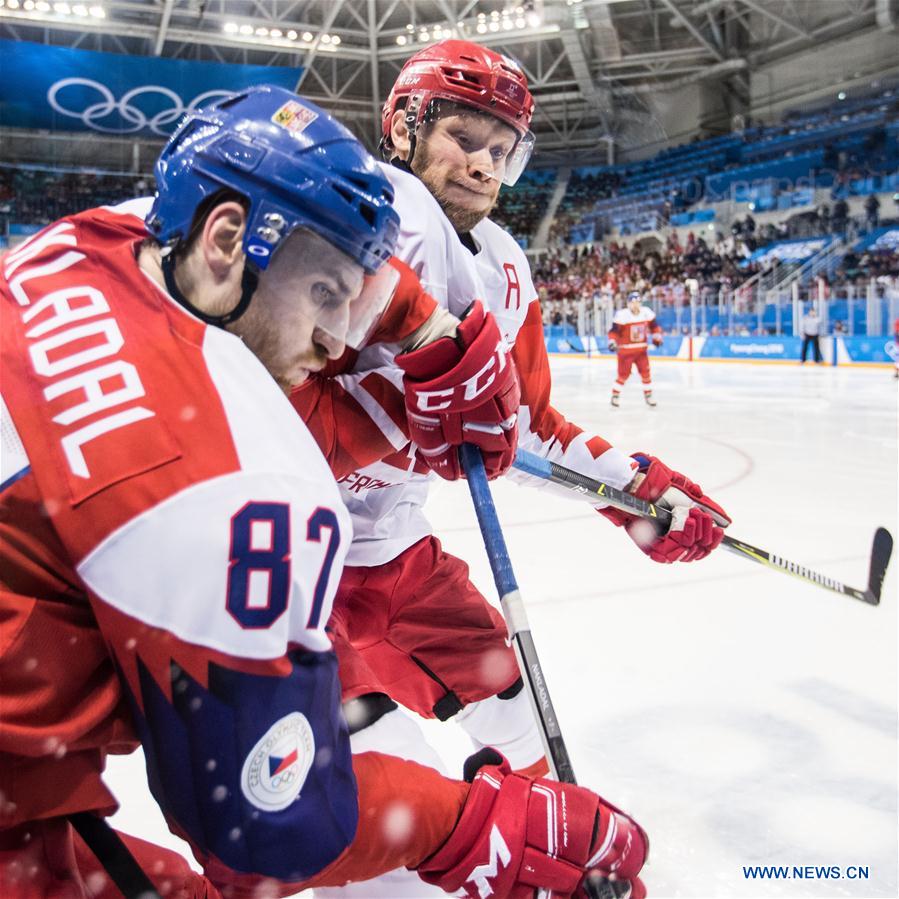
x: 525, y: 650
x: 592, y: 490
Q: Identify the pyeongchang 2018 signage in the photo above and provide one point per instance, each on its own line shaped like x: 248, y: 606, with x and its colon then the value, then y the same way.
x: 58, y: 88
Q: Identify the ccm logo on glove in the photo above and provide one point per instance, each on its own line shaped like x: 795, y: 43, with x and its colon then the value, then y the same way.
x: 470, y: 389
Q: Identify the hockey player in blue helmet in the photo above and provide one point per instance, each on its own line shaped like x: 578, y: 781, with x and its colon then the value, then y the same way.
x: 285, y: 185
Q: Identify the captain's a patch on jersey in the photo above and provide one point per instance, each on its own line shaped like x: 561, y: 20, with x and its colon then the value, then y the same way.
x: 295, y: 117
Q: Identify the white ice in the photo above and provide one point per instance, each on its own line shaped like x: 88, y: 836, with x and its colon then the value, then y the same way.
x: 744, y: 717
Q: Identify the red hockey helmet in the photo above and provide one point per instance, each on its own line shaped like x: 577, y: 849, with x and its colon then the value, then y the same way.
x: 473, y: 76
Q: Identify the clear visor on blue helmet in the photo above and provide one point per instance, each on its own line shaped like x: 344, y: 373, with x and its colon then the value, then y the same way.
x: 330, y: 288
x: 358, y: 321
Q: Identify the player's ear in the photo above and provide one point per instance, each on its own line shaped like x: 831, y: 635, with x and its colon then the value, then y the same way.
x: 399, y: 134
x: 222, y: 237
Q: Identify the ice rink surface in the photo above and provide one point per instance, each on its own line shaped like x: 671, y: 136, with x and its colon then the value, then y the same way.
x: 744, y: 717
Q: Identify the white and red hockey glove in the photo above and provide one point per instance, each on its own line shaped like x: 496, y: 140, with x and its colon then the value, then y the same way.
x: 463, y: 389
x: 517, y: 834
x: 697, y: 521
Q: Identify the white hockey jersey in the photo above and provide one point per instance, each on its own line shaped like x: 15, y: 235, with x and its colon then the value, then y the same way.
x: 386, y: 499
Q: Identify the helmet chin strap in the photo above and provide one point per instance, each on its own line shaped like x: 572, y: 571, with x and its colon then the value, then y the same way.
x: 248, y: 284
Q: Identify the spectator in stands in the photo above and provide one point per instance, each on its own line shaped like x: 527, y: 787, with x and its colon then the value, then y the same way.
x: 872, y: 212
x: 810, y: 327
x: 840, y: 215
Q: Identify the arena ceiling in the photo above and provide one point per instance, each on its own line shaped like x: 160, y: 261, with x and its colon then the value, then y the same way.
x: 593, y: 65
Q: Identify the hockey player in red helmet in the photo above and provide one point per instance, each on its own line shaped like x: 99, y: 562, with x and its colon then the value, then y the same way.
x: 409, y: 626
x: 488, y: 94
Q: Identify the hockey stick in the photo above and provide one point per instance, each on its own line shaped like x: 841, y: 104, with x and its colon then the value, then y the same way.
x: 525, y: 650
x: 592, y: 490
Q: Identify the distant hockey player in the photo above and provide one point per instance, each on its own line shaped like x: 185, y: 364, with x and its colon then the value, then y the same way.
x: 632, y: 329
x: 171, y: 538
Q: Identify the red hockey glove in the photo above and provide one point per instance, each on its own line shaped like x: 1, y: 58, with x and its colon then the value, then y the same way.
x: 697, y: 521
x: 517, y: 834
x: 463, y: 389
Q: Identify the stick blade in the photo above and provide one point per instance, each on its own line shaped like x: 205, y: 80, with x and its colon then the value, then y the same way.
x: 881, y: 551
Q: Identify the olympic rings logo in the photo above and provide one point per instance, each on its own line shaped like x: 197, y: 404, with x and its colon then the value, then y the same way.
x: 136, y: 118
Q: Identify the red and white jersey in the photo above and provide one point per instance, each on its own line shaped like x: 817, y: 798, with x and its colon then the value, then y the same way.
x: 632, y: 331
x: 171, y: 538
x: 386, y: 499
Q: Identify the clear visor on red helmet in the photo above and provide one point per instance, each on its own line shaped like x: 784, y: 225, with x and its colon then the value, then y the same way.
x: 438, y: 107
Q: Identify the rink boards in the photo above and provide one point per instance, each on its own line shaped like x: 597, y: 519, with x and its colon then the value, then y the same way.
x: 844, y: 350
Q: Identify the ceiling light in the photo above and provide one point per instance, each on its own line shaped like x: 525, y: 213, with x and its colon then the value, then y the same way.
x: 401, y: 39
x: 276, y: 32
x: 326, y: 38
x: 29, y: 4
x: 482, y: 28
x: 520, y: 22
x: 12, y: 4
x: 246, y: 29
x: 307, y: 36
x: 291, y: 35
x: 494, y: 26
x: 62, y: 8
x: 533, y: 19
x: 262, y: 31
x: 79, y: 9
x: 335, y: 40
x: 97, y: 12
x: 841, y: 95
x: 42, y: 6
x: 231, y: 28
x: 507, y: 25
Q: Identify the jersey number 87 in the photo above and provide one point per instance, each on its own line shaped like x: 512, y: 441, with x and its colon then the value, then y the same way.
x: 259, y: 571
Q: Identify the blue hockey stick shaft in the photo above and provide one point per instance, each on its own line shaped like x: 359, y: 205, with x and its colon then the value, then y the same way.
x: 515, y: 614
x: 525, y: 650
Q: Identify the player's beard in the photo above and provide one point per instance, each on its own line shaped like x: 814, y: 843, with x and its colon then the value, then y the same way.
x: 262, y: 338
x: 462, y: 218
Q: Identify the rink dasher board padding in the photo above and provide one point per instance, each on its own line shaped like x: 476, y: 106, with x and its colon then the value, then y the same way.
x: 862, y: 351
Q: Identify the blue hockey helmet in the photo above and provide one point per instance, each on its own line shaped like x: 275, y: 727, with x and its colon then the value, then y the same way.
x: 635, y: 296
x: 296, y: 166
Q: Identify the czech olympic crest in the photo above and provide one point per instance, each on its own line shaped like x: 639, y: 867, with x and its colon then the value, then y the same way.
x: 276, y: 768
x: 148, y: 107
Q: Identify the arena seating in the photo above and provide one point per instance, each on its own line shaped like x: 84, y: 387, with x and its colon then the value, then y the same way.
x: 841, y: 146
x: 33, y: 196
